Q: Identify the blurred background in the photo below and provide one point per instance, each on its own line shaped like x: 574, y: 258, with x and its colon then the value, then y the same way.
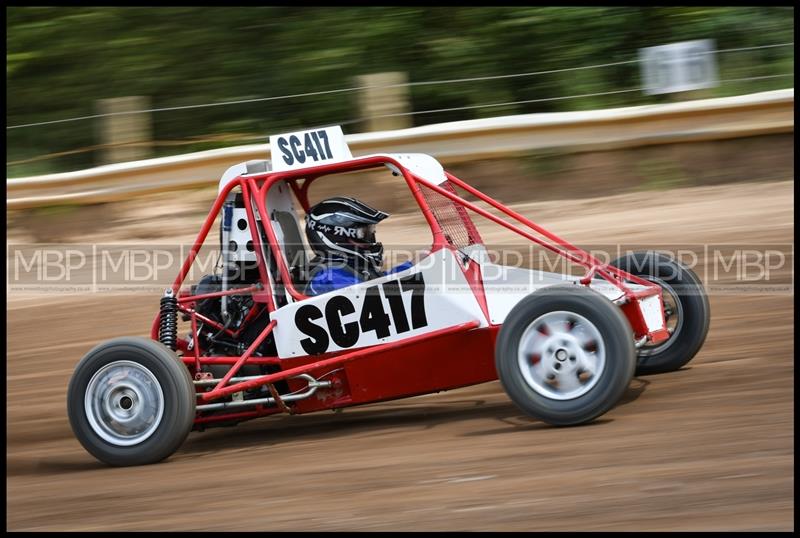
x: 710, y: 447
x: 217, y: 77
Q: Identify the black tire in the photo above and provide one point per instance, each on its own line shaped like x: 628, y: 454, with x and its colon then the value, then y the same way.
x: 146, y: 360
x: 691, y: 304
x: 617, y: 338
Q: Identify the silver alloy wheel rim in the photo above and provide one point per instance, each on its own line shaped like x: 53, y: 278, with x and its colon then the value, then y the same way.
x: 561, y: 355
x: 672, y: 301
x: 124, y: 403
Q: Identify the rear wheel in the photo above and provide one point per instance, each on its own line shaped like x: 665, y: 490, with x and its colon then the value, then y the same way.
x: 686, y: 310
x: 565, y: 355
x: 131, y: 401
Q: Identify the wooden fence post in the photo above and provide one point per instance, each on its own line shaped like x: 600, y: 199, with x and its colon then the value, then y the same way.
x: 379, y: 103
x: 128, y: 137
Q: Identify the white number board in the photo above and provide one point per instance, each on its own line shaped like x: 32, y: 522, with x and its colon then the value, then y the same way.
x: 431, y: 295
x: 304, y: 149
x: 678, y: 67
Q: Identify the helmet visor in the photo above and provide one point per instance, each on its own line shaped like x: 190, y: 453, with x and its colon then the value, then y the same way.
x: 366, y: 233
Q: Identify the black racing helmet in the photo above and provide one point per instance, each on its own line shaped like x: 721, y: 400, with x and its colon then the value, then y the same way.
x: 344, y: 228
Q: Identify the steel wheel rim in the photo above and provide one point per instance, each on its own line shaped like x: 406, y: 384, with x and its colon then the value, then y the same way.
x: 124, y: 403
x: 561, y: 355
x: 671, y: 302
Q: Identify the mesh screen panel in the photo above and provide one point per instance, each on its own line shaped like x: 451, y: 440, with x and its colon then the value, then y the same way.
x: 458, y: 228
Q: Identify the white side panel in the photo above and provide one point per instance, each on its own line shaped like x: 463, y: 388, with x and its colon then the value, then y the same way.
x: 506, y: 286
x: 240, y: 233
x: 442, y: 299
x: 652, y: 312
x: 279, y: 198
x: 242, y: 236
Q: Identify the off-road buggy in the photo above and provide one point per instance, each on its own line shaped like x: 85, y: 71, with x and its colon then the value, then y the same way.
x: 564, y: 347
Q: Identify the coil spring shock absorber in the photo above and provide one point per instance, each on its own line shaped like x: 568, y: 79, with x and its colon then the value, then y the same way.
x: 168, y: 322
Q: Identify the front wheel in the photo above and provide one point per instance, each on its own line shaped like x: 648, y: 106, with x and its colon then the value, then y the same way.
x: 131, y: 401
x: 686, y: 310
x: 565, y: 355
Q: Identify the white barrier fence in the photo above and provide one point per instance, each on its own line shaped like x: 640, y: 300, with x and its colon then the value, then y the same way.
x: 596, y: 130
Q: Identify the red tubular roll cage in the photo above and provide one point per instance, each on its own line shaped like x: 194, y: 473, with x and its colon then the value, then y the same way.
x: 256, y: 186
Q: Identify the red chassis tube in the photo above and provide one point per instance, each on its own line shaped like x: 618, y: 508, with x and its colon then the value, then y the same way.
x: 333, y: 362
x: 254, y: 189
x: 439, y: 363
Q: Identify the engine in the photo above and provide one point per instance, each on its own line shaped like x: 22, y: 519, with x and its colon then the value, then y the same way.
x: 236, y: 315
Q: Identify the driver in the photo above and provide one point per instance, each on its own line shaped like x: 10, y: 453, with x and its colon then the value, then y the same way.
x: 341, y: 231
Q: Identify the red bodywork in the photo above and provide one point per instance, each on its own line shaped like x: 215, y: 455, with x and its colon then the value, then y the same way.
x: 440, y: 360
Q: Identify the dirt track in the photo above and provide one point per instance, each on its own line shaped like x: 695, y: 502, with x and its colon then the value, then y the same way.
x: 710, y: 447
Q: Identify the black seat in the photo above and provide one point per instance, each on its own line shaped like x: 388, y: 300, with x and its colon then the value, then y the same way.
x: 294, y: 249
